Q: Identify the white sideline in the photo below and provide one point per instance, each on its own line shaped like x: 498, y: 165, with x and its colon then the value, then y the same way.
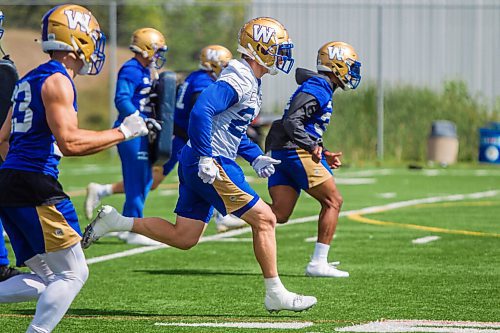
x: 283, y: 325
x: 367, y: 210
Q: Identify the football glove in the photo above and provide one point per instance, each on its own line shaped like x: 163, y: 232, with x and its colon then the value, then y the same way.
x: 264, y: 165
x: 207, y: 170
x: 133, y: 126
x: 154, y: 128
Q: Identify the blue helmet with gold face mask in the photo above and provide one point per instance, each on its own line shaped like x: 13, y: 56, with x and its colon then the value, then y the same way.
x: 73, y: 28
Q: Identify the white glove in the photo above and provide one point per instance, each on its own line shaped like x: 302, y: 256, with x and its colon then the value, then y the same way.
x: 264, y: 165
x: 207, y: 170
x: 133, y: 126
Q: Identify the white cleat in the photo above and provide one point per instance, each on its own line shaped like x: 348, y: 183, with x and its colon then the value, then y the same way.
x: 137, y: 239
x: 228, y: 222
x: 288, y: 301
x: 325, y: 269
x: 92, y: 199
x: 105, y: 221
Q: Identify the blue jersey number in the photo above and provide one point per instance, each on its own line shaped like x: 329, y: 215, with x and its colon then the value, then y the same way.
x: 22, y: 116
x: 238, y: 126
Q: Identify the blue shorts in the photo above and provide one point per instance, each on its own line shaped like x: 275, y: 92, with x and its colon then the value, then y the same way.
x: 177, y: 144
x: 298, y: 170
x: 40, y: 229
x: 231, y: 195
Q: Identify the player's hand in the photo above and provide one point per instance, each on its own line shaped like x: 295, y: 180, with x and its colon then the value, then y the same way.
x: 317, y: 154
x: 133, y: 126
x: 264, y: 165
x: 333, y: 159
x: 207, y: 170
x: 154, y: 128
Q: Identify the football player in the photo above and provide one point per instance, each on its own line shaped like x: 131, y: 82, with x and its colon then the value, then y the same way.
x: 213, y: 59
x: 38, y: 216
x: 133, y: 89
x: 208, y: 174
x: 296, y: 140
x: 5, y: 270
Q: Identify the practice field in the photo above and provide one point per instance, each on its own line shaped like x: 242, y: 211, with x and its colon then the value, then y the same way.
x: 422, y: 248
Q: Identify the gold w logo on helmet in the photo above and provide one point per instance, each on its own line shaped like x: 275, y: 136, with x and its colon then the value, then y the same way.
x: 262, y: 33
x: 76, y: 18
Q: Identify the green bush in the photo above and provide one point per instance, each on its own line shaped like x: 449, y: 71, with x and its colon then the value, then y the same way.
x: 409, y: 113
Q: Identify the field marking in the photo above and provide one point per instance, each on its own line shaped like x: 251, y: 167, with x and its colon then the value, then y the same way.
x: 367, y: 210
x: 387, y: 326
x: 274, y: 325
x: 363, y: 219
x: 425, y: 240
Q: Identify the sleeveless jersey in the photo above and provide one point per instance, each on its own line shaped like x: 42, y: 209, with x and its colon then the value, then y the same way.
x: 32, y: 145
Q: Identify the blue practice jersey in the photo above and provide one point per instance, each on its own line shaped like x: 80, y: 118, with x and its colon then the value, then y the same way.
x: 194, y: 84
x: 32, y: 145
x: 133, y: 88
x: 322, y: 90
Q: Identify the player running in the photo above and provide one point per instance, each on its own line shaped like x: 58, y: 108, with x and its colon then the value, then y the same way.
x: 296, y: 140
x: 213, y: 59
x: 210, y: 177
x: 38, y: 216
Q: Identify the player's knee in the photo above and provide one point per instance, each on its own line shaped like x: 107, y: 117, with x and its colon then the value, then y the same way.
x: 187, y: 244
x: 282, y: 217
x: 267, y: 220
x: 333, y: 201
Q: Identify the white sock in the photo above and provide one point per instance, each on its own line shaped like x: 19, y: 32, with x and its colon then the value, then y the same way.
x: 274, y: 285
x: 124, y: 223
x: 320, y: 252
x: 105, y: 190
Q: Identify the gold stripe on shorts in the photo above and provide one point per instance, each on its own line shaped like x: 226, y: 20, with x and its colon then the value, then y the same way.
x: 316, y: 172
x: 57, y: 233
x: 233, y: 197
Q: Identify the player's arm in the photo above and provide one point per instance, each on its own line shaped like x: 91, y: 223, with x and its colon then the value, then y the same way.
x: 5, y: 135
x: 301, y: 107
x: 215, y: 99
x: 57, y: 96
x: 248, y: 149
x: 124, y: 92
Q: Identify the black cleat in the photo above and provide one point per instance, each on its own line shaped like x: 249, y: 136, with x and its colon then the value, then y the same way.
x: 7, y: 272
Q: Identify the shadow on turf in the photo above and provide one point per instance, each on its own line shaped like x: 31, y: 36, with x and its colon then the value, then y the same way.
x: 202, y: 272
x: 137, y: 314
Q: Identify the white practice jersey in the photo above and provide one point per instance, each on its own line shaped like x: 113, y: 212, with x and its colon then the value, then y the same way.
x: 229, y: 126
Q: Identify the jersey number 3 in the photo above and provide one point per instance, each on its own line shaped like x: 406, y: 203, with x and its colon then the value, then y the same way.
x: 22, y: 116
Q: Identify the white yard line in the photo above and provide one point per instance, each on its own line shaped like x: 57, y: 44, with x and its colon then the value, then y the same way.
x: 275, y: 325
x: 367, y: 210
x: 429, y: 326
x: 425, y: 240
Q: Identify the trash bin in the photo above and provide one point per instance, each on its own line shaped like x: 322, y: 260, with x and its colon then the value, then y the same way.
x: 442, y: 145
x: 489, y: 144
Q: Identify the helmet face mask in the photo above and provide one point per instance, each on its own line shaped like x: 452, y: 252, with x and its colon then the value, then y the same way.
x: 342, y: 60
x: 1, y: 24
x: 266, y: 41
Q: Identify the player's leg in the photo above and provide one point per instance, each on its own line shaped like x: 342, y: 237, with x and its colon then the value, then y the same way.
x: 283, y: 185
x: 137, y: 178
x: 70, y: 273
x: 6, y: 271
x: 331, y: 200
x: 284, y: 198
